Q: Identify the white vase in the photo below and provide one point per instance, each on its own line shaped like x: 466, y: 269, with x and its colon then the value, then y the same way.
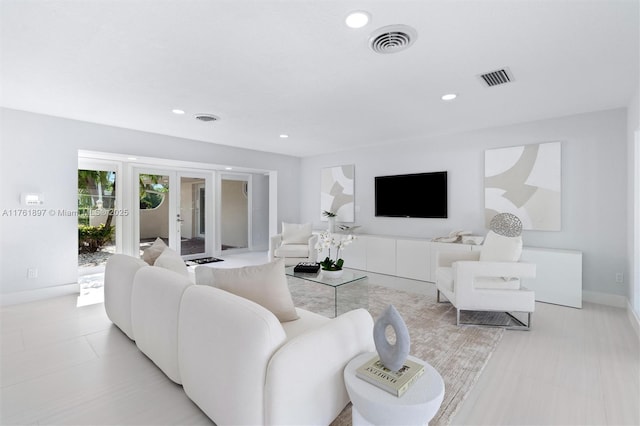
x: 332, y: 224
x: 332, y: 274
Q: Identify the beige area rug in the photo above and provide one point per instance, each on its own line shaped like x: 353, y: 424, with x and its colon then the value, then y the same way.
x: 458, y: 353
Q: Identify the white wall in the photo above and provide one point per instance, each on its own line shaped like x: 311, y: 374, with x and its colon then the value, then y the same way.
x: 260, y: 213
x: 594, y: 186
x: 235, y: 215
x: 39, y: 153
x: 633, y: 195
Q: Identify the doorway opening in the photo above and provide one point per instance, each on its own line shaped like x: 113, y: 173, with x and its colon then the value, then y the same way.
x: 173, y: 207
x: 234, y: 212
x: 193, y: 214
x: 99, y: 225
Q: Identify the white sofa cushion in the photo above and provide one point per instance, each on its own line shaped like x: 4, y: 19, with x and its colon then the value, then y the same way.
x: 306, y: 321
x: 295, y: 233
x: 170, y: 259
x: 151, y: 253
x: 265, y: 284
x: 497, y: 248
x: 155, y: 307
x: 305, y: 378
x: 203, y: 275
x: 118, y: 284
x: 226, y: 342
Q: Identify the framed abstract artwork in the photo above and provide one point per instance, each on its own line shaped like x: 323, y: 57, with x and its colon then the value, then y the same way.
x: 337, y: 192
x: 525, y: 181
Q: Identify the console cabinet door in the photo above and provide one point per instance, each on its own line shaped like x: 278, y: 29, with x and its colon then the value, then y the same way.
x: 381, y: 255
x: 558, y: 275
x: 355, y: 254
x: 413, y: 260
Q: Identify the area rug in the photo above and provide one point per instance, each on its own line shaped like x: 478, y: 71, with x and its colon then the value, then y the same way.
x: 458, y: 353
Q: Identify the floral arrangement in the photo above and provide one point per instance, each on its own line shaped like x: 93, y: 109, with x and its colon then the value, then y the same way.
x: 327, y: 240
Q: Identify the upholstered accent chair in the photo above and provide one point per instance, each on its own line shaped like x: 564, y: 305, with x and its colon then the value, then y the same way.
x: 489, y: 279
x: 295, y: 244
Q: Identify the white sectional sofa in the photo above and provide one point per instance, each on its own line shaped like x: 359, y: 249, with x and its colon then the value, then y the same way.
x: 233, y: 357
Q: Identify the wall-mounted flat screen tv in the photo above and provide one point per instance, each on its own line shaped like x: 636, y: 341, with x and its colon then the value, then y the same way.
x: 412, y: 195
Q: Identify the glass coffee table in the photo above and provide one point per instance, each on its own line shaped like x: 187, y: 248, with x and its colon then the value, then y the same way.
x: 343, y: 290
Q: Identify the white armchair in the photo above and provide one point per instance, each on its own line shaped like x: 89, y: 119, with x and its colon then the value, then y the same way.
x: 295, y: 244
x: 488, y: 280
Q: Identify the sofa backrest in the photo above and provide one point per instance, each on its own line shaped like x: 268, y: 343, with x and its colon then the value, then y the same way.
x: 226, y: 343
x: 155, y: 309
x: 118, y: 284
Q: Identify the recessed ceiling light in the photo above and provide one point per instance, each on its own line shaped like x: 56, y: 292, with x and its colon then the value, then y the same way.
x: 284, y: 136
x: 228, y: 168
x: 177, y: 111
x: 357, y: 19
x: 131, y: 158
x: 449, y: 97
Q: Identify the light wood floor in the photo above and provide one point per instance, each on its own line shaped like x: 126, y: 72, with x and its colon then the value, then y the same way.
x: 67, y: 364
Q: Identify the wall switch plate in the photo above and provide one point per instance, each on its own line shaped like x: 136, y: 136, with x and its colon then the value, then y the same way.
x: 32, y: 272
x: 31, y: 199
x: 619, y: 278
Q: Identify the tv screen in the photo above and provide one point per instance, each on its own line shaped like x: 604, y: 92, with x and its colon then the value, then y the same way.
x: 412, y: 195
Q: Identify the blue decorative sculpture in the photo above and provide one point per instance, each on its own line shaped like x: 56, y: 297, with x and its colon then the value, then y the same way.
x: 392, y: 356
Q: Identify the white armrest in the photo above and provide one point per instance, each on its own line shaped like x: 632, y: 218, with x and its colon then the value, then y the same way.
x: 470, y: 269
x: 507, y: 299
x: 305, y: 383
x: 446, y: 258
x: 225, y: 344
x: 274, y: 242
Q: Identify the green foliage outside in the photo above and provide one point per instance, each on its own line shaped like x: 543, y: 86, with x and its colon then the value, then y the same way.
x: 96, y: 185
x: 150, y: 200
x: 92, y: 238
x: 153, y: 189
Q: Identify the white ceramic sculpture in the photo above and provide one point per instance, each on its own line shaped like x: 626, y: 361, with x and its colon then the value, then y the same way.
x: 392, y: 356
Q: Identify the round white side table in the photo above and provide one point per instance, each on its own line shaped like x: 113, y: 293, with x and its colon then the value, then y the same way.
x: 374, y: 406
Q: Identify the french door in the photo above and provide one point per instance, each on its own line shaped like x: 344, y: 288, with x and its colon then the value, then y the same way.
x: 172, y: 205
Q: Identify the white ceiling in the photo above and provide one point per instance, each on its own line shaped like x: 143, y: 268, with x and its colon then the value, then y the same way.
x: 292, y: 66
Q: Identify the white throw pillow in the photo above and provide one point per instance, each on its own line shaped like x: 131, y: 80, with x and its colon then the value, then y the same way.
x: 265, y: 285
x: 151, y: 253
x: 295, y: 233
x: 498, y: 248
x: 203, y: 275
x: 170, y: 259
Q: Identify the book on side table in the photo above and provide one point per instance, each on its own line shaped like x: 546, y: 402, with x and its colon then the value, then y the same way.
x: 394, y: 382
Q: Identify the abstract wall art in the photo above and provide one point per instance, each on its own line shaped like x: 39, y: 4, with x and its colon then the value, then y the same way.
x: 337, y: 192
x: 525, y: 181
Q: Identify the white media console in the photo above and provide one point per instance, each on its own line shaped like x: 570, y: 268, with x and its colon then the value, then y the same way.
x: 558, y: 272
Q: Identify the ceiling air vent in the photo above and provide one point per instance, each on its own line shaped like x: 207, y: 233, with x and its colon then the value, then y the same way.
x: 392, y: 38
x: 207, y: 117
x: 496, y: 78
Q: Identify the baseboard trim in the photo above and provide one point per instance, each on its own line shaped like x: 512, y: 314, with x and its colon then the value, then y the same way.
x: 604, y: 298
x: 38, y: 294
x: 633, y: 318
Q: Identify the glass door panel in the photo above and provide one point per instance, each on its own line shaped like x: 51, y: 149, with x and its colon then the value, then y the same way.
x: 154, y: 208
x: 192, y: 215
